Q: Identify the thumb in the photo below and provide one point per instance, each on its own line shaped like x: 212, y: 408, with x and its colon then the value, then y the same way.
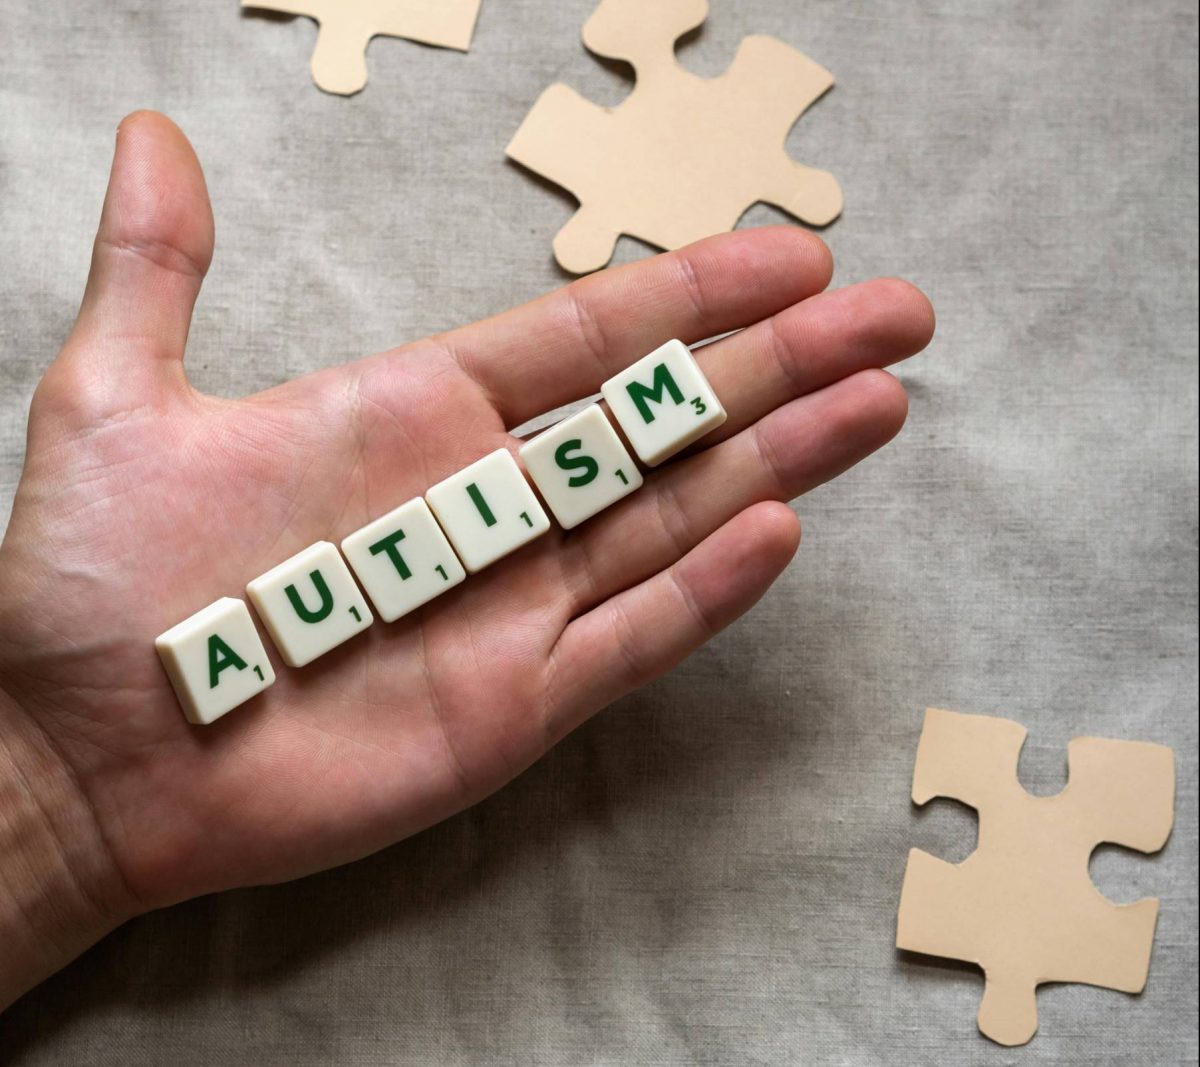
x: 153, y: 247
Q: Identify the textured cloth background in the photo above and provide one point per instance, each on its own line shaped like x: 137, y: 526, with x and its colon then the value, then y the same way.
x: 709, y: 871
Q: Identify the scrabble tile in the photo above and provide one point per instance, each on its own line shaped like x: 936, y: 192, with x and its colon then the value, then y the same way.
x: 580, y: 466
x: 663, y: 403
x: 487, y: 510
x: 215, y: 660
x: 403, y: 560
x: 310, y: 604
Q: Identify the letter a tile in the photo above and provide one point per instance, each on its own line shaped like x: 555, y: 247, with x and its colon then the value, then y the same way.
x: 215, y: 660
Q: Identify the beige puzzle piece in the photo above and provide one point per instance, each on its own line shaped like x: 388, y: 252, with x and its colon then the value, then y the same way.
x: 345, y: 27
x: 682, y: 157
x: 1022, y: 906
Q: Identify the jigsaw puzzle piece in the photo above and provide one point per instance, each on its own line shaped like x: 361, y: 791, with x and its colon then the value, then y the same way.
x: 682, y: 157
x: 1022, y: 906
x: 345, y: 28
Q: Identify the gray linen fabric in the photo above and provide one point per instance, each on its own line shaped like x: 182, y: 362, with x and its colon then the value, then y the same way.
x: 709, y: 871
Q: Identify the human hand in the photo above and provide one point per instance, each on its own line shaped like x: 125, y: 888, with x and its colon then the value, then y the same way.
x: 142, y: 500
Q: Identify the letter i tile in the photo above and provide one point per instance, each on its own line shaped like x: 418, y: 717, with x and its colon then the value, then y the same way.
x: 487, y: 510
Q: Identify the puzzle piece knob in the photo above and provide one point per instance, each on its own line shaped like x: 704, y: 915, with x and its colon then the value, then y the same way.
x: 1008, y: 1011
x: 339, y: 61
x: 815, y: 195
x: 636, y: 32
x: 586, y: 242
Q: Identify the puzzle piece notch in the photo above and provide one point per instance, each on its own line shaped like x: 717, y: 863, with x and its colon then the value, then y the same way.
x: 345, y: 28
x: 682, y: 157
x: 1022, y: 906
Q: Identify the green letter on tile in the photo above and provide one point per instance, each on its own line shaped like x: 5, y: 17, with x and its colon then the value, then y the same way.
x: 643, y: 396
x: 388, y: 547
x: 323, y: 592
x: 220, y: 656
x: 482, y: 505
x: 588, y: 467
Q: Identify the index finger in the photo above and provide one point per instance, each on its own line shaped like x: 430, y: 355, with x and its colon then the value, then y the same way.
x: 562, y: 346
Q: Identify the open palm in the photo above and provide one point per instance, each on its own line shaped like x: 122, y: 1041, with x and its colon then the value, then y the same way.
x: 142, y: 500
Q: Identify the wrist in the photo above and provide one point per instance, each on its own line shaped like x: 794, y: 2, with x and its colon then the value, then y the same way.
x: 60, y: 891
